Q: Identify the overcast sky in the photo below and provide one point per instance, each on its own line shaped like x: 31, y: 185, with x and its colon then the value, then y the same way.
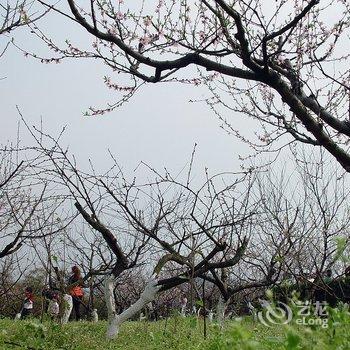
x: 158, y: 126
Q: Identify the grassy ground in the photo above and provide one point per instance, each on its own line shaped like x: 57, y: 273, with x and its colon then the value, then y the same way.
x: 175, y: 333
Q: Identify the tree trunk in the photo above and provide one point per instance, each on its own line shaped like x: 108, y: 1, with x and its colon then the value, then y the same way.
x: 114, y: 320
x: 94, y: 315
x: 220, y: 311
x: 67, y: 308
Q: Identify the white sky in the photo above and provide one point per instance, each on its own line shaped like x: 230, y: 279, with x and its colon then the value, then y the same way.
x: 158, y: 126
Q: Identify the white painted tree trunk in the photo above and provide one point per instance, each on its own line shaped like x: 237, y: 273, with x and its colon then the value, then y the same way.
x: 112, y: 329
x: 252, y: 310
x: 183, y: 310
x: 114, y: 320
x: 67, y: 307
x: 210, y: 316
x: 220, y: 311
x: 94, y: 315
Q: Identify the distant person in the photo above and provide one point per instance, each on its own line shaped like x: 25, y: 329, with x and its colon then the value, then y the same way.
x: 328, y: 276
x: 28, y: 303
x: 54, y: 307
x: 75, y: 289
x: 183, y: 305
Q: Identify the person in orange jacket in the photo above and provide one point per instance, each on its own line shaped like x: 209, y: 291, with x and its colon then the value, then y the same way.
x: 75, y: 289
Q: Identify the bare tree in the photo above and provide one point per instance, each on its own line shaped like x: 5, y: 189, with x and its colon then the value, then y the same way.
x: 301, y: 228
x: 272, y: 62
x: 12, y: 269
x: 157, y: 223
x: 27, y: 209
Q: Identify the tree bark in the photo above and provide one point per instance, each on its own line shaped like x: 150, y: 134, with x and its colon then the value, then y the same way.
x: 114, y: 320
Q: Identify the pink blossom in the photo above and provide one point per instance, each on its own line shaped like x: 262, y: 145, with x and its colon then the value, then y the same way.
x: 202, y: 35
x: 145, y: 40
x: 147, y: 21
x: 161, y: 34
x: 120, y: 15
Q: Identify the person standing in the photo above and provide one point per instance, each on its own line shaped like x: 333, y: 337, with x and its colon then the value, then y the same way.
x: 53, y: 308
x: 327, y: 279
x: 75, y: 289
x: 183, y: 305
x: 28, y: 303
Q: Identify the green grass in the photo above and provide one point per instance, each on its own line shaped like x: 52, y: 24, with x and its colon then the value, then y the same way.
x: 176, y: 333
